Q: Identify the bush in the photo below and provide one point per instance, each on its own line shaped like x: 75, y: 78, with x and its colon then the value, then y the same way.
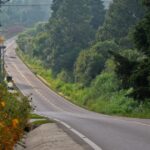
x: 65, y: 76
x: 14, y: 115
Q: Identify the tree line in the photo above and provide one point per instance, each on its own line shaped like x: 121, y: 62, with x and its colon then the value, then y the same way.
x: 82, y: 40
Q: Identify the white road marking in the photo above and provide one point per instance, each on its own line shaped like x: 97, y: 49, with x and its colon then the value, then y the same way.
x: 131, y: 121
x: 83, y: 137
x: 140, y: 123
x: 37, y: 91
x: 92, y: 144
x: 60, y: 109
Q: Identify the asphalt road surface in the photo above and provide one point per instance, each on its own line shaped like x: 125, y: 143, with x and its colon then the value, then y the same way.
x: 102, y: 131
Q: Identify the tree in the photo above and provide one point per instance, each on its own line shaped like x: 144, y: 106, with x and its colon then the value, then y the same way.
x: 88, y: 65
x: 124, y: 69
x: 136, y: 74
x: 98, y: 13
x: 141, y: 74
x: 25, y: 16
x: 71, y: 29
x: 120, y: 18
x: 142, y: 35
x: 91, y: 62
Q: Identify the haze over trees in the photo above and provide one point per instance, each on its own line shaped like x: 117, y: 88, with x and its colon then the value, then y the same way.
x: 105, y: 51
x: 24, y: 12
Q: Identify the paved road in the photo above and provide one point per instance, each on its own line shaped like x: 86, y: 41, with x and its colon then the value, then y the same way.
x: 108, y: 133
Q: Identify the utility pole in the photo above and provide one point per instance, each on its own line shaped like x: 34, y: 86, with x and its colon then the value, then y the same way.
x: 2, y: 47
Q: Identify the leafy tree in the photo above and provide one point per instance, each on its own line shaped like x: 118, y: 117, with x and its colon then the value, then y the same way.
x: 91, y: 62
x: 142, y: 35
x: 104, y: 47
x: 136, y: 74
x: 124, y: 68
x: 88, y: 65
x: 141, y: 80
x: 71, y: 29
x: 98, y: 12
x: 141, y: 74
x: 121, y: 17
x: 147, y: 3
x: 27, y: 15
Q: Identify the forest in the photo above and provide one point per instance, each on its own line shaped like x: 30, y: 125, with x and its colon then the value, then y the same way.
x: 16, y: 15
x: 97, y: 56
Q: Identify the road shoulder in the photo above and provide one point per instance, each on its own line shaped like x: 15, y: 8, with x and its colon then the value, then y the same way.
x: 52, y: 136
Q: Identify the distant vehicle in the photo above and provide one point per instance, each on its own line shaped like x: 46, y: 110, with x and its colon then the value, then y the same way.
x: 10, y: 84
x: 9, y: 78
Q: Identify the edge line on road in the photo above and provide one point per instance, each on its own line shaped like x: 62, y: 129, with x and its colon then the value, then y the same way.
x: 44, y: 98
x: 80, y: 135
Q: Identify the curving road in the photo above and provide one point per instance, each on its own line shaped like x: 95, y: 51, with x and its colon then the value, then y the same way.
x: 100, y: 131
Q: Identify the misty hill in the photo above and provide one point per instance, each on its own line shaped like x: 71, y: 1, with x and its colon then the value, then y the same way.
x: 25, y: 12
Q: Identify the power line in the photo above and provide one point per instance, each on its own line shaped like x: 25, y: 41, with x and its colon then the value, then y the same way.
x: 25, y: 5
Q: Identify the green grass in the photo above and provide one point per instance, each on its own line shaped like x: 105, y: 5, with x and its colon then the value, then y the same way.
x: 35, y: 116
x: 102, y: 96
x: 40, y: 122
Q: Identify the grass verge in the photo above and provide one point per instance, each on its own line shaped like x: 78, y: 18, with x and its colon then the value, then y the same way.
x: 102, y: 96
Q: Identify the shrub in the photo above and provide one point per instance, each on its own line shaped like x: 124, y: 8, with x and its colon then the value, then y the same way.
x: 13, y: 118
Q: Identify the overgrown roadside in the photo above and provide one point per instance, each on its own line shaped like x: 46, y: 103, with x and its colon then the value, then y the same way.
x: 14, y: 116
x: 111, y: 101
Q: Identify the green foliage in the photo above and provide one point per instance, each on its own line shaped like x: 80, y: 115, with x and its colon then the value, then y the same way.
x: 142, y: 35
x: 71, y: 28
x: 104, y: 94
x: 88, y: 65
x: 124, y: 68
x: 25, y: 15
x: 68, y: 33
x: 121, y: 17
x: 65, y: 76
x: 146, y: 2
x: 36, y: 116
x: 98, y: 12
x: 33, y: 40
x: 110, y: 65
x: 40, y: 122
x: 132, y: 54
x: 66, y: 46
x: 138, y: 74
x: 104, y: 48
x: 14, y: 115
x: 119, y: 105
x: 141, y: 80
x: 91, y: 62
x: 104, y: 84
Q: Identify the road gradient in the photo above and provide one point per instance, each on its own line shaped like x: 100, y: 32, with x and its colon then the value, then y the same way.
x: 102, y: 132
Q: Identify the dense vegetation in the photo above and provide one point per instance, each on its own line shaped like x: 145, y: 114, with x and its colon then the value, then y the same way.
x: 14, y: 114
x: 24, y: 12
x: 97, y: 57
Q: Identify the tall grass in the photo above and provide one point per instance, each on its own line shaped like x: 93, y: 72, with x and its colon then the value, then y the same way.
x: 103, y: 96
